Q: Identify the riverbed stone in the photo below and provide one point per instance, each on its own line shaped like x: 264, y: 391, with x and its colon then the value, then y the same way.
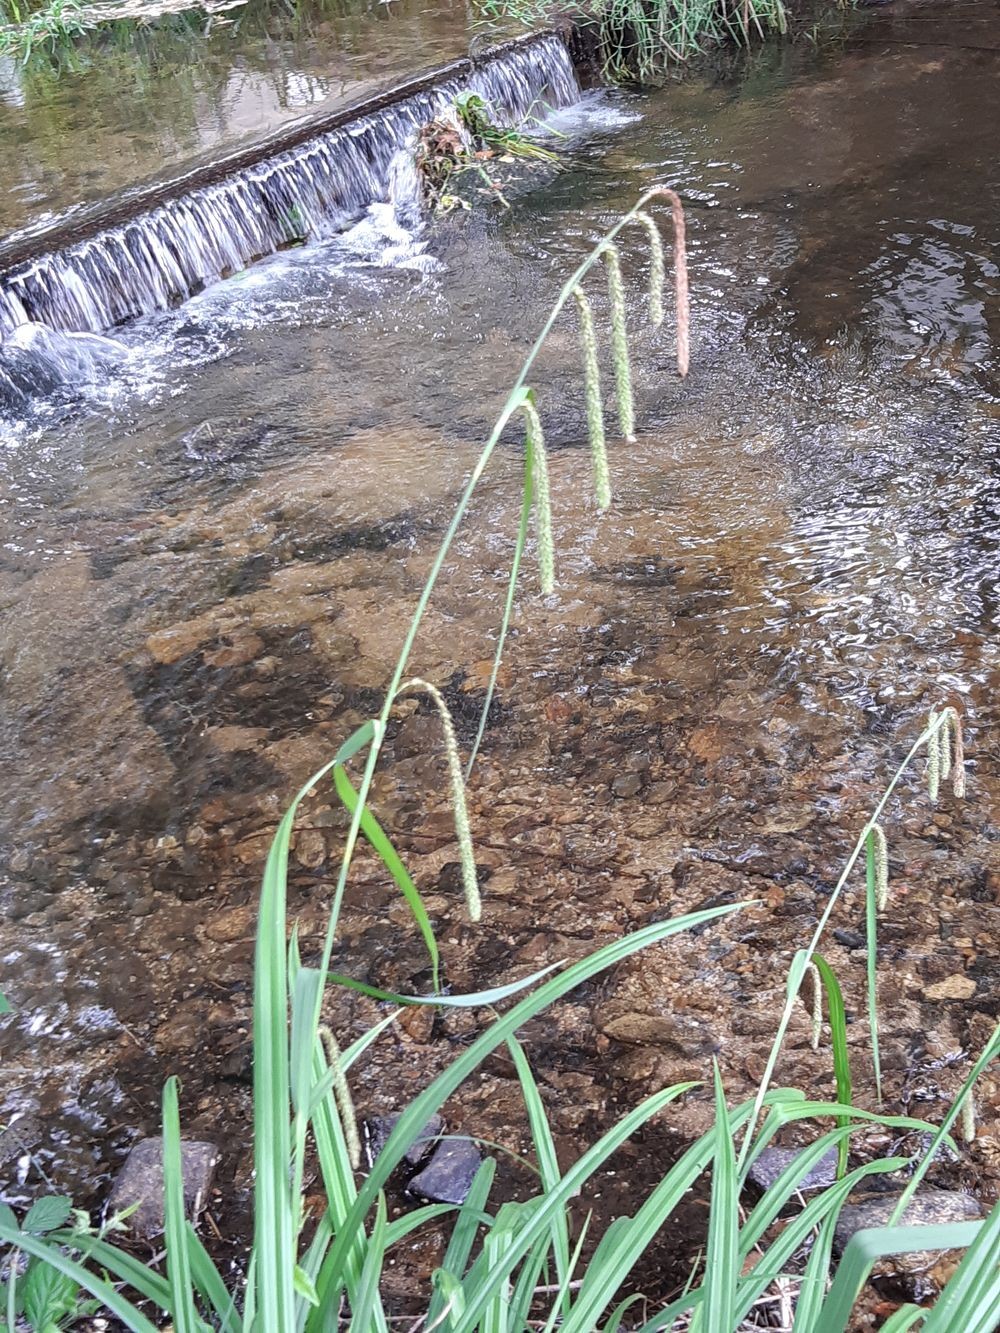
x: 167, y: 646
x: 956, y: 987
x: 921, y: 1275
x: 310, y: 848
x: 773, y: 1161
x: 140, y: 1184
x: 448, y: 1177
x: 232, y: 923
x: 379, y: 1127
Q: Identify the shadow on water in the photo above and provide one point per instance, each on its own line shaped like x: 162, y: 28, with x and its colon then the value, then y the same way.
x: 207, y: 570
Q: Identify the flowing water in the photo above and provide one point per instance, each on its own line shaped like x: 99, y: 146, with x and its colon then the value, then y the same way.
x: 210, y: 555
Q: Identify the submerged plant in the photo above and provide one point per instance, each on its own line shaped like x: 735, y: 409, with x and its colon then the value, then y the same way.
x: 466, y: 140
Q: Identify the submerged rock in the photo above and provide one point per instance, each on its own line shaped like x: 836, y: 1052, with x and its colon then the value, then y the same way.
x: 140, y: 1182
x: 36, y: 361
x: 448, y: 1176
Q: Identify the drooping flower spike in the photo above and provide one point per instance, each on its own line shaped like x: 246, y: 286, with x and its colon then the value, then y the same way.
x: 463, y: 833
x: 682, y: 298
x: 656, y: 267
x: 595, y: 406
x: 619, y: 342
x: 933, y: 757
x: 535, y: 440
x: 880, y: 856
x: 945, y: 751
x: 342, y: 1091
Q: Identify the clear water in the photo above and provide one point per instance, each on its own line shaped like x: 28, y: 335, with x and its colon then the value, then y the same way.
x: 208, y: 561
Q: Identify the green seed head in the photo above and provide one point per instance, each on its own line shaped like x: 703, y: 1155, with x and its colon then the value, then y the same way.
x: 342, y: 1091
x: 880, y: 850
x: 619, y: 343
x: 933, y: 757
x: 968, y: 1117
x: 463, y: 833
x: 535, y: 439
x: 595, y: 407
x: 954, y: 745
x: 656, y: 268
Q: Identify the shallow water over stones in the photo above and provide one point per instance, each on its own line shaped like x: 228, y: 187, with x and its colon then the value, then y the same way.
x: 801, y: 560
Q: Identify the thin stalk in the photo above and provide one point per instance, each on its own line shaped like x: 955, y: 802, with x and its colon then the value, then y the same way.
x: 515, y: 400
x: 799, y: 964
x: 871, y: 956
x: 513, y: 403
x: 12, y: 1262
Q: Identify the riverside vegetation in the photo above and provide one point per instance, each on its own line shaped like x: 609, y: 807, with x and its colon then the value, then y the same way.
x: 53, y: 28
x: 638, y: 39
x: 518, y: 1265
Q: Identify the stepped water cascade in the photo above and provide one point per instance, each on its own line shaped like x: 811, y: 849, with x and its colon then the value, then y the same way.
x: 160, y: 255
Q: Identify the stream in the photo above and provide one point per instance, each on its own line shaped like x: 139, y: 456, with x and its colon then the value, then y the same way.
x: 210, y: 554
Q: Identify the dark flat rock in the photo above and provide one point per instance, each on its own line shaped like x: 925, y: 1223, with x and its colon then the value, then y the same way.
x: 930, y: 1207
x: 140, y: 1181
x: 381, y: 1126
x: 773, y: 1161
x: 448, y: 1176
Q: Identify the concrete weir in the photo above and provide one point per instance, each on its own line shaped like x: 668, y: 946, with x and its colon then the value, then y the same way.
x: 150, y: 248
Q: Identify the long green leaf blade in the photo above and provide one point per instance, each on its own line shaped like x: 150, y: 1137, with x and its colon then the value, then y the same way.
x: 722, y: 1263
x: 427, y: 1103
x: 175, y: 1221
x: 393, y: 862
x: 134, y: 1320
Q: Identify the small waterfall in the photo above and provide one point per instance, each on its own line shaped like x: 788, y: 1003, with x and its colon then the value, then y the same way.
x: 160, y: 257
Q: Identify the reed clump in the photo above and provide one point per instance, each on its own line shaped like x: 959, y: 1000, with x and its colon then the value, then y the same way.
x: 637, y: 41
